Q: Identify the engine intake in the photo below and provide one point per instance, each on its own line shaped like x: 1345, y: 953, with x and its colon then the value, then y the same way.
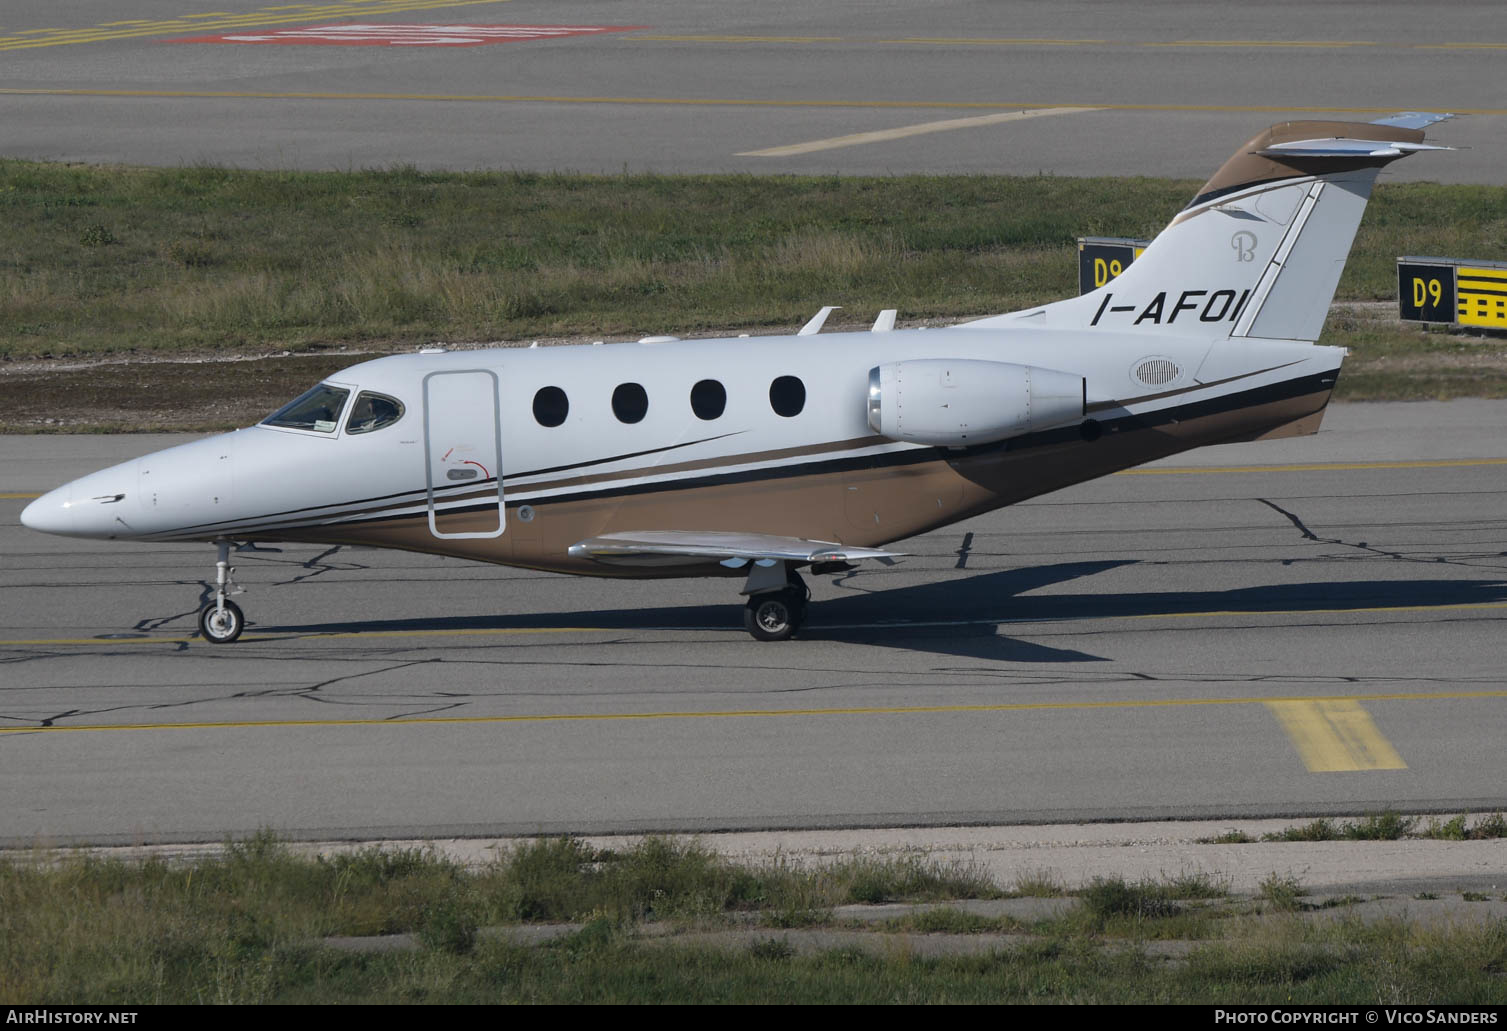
x: 958, y: 403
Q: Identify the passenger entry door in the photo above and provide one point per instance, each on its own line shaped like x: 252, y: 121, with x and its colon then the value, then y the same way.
x: 463, y: 454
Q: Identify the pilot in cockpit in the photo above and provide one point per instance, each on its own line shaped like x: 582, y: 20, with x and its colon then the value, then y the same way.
x: 372, y: 411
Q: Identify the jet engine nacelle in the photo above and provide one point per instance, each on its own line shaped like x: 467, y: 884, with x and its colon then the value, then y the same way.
x: 959, y: 403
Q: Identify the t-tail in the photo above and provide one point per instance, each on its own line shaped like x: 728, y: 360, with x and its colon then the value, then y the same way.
x: 1259, y: 251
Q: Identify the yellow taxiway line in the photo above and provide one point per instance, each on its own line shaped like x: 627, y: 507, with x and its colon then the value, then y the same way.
x: 1116, y: 44
x: 282, y: 14
x: 1312, y: 467
x: 1339, y: 702
x: 510, y: 98
x: 255, y: 637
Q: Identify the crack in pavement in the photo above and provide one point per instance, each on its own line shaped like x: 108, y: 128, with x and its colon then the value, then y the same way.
x: 317, y: 566
x: 1365, y: 546
x: 306, y: 692
x: 1291, y: 517
x: 310, y: 693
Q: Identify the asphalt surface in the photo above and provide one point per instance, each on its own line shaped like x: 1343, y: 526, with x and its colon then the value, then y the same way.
x: 1151, y: 646
x: 1148, y: 87
x: 1179, y: 643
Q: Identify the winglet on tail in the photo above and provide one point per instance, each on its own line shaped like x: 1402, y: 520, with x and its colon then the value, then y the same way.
x: 1290, y: 150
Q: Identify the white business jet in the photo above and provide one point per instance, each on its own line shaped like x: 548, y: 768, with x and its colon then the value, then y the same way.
x: 757, y: 458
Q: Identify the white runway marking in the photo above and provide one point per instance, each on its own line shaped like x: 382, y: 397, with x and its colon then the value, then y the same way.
x: 858, y: 139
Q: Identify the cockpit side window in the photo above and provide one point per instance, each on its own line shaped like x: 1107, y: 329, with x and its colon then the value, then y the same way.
x: 373, y: 412
x: 318, y: 410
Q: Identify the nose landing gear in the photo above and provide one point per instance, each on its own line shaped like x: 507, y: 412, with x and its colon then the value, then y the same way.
x: 775, y: 610
x: 221, y: 621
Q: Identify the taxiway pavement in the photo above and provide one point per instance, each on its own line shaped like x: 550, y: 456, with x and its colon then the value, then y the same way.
x: 1142, y: 87
x: 1293, y: 628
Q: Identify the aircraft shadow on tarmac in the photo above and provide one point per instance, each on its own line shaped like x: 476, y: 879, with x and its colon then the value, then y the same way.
x: 971, y: 617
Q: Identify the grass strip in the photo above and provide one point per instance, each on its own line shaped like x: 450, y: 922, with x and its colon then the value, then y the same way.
x: 110, y: 260
x: 246, y: 927
x: 1387, y: 825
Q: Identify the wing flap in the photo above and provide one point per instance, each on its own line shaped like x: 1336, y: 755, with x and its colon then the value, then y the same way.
x: 682, y: 547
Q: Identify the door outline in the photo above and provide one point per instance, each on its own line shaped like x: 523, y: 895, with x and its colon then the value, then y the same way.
x: 429, y: 470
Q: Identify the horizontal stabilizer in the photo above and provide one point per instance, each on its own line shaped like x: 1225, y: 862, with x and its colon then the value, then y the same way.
x: 1412, y: 119
x: 1346, y: 148
x: 682, y: 547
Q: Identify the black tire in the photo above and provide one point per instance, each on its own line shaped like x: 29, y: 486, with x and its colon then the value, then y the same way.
x: 216, y: 630
x: 775, y: 616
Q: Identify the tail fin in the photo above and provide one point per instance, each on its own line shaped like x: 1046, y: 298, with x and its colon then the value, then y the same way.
x: 1259, y: 250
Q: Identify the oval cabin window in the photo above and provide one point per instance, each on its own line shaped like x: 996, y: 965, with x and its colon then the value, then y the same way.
x: 787, y: 396
x: 708, y: 399
x: 551, y: 406
x: 630, y: 403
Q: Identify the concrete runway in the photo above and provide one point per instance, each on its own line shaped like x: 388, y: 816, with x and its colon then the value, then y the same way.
x: 1142, y: 87
x: 1292, y: 628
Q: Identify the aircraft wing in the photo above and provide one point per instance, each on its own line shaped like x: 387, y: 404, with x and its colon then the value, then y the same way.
x: 686, y: 547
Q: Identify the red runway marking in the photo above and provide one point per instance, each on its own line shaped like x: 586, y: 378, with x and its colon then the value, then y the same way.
x: 346, y: 35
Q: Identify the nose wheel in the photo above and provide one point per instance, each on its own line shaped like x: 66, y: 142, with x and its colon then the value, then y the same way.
x: 221, y: 621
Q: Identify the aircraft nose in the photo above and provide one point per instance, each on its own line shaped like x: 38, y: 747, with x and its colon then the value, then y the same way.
x: 52, y: 512
x: 87, y: 507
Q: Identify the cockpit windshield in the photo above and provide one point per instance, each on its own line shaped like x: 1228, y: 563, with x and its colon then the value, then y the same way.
x: 318, y: 410
x: 373, y: 412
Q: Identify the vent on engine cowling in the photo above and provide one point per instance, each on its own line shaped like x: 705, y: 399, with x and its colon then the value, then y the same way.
x: 1156, y: 372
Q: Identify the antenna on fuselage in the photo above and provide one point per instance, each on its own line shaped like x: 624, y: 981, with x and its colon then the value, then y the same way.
x: 885, y: 322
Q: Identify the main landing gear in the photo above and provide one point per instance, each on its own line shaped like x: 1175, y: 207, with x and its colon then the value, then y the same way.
x: 775, y: 610
x: 221, y: 621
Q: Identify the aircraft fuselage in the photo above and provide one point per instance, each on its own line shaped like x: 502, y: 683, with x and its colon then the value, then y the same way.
x: 819, y: 472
